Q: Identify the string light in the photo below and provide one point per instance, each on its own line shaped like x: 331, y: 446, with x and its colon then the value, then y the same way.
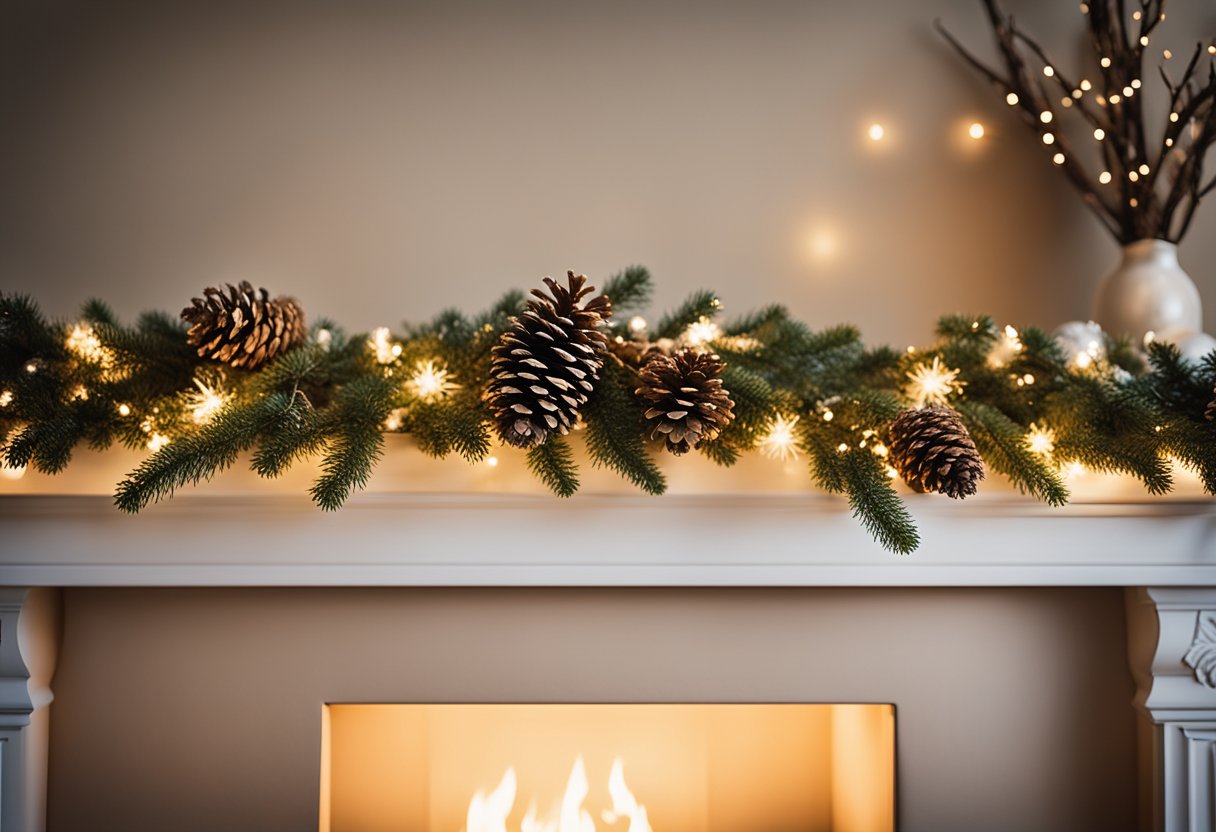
x: 31, y: 368
x: 892, y: 473
x: 1144, y: 40
x: 157, y: 441
x: 82, y: 341
x: 1167, y: 54
x: 80, y: 393
x: 1105, y: 63
x: 206, y: 403
x: 1136, y: 84
x: 637, y: 324
x: 877, y: 132
x: 703, y: 332
x: 1128, y: 92
x: 382, y: 345
x: 395, y: 419
x: 1086, y: 85
x: 1041, y: 441
x: 1105, y: 177
x: 1058, y: 159
x: 1049, y: 71
x: 778, y: 441
x: 1169, y: 142
x: 1133, y: 176
x: 1046, y: 116
x: 1115, y: 99
x: 842, y: 447
x: 431, y: 381
x: 976, y: 130
x: 324, y: 338
x: 1144, y: 169
x: 1049, y: 138
x: 828, y: 416
x: 11, y: 473
x: 1099, y: 134
x: 1174, y: 118
x: 1212, y: 49
x: 1075, y: 469
x: 124, y: 410
x: 492, y: 461
x: 1006, y: 347
x: 933, y: 383
x: 1011, y: 99
x: 6, y: 398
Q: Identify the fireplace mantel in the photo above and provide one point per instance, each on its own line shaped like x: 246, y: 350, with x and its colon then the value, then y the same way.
x: 230, y: 534
x: 388, y: 539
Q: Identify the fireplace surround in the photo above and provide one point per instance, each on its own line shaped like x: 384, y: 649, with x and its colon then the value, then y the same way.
x: 190, y: 679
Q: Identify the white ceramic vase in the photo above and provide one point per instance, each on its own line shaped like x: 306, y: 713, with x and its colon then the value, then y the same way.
x: 1149, y: 292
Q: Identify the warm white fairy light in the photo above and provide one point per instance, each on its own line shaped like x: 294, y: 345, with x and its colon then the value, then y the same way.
x: 395, y: 419
x: 1049, y: 138
x: 157, y: 441
x: 206, y: 403
x: 976, y: 130
x: 80, y: 393
x: 1115, y: 99
x: 842, y: 447
x: 1006, y: 347
x: 1046, y: 116
x: 1167, y: 54
x: 492, y: 461
x: 1212, y: 49
x: 1099, y: 134
x: 1058, y: 159
x: 1011, y: 99
x: 702, y: 332
x: 1144, y: 40
x: 828, y: 416
x: 324, y: 338
x: 1105, y: 177
x: 1144, y: 170
x: 6, y: 398
x: 1105, y: 63
x: 1169, y: 142
x: 1085, y: 85
x: 1075, y: 469
x: 877, y: 132
x: 381, y: 343
x: 124, y: 410
x: 1041, y: 441
x: 1066, y: 102
x: 1049, y: 71
x: 1133, y: 176
x: 431, y: 381
x: 82, y: 341
x: 933, y: 383
x: 1136, y: 83
x: 637, y: 325
x: 779, y: 441
x: 1174, y: 118
x: 1133, y: 202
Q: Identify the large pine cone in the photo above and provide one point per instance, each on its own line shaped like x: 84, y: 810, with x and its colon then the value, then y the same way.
x: 932, y: 450
x: 243, y: 328
x: 685, y: 398
x: 547, y: 362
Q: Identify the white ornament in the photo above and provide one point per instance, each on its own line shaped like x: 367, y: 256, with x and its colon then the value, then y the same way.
x: 1195, y: 346
x: 1149, y: 292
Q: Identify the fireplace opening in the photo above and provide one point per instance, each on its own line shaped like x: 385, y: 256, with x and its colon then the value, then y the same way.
x: 608, y: 768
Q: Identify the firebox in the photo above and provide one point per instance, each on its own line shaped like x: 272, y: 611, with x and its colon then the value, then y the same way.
x: 608, y: 768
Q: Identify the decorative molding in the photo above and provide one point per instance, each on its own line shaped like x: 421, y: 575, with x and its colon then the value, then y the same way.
x: 1201, y: 657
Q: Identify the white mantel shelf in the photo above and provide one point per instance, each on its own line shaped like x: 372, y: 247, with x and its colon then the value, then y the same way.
x: 412, y: 539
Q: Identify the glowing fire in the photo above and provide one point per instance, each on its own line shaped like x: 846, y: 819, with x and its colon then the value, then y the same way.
x: 489, y: 812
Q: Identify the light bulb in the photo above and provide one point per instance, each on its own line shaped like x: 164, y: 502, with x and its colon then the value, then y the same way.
x: 877, y: 132
x: 1011, y: 99
x: 976, y: 130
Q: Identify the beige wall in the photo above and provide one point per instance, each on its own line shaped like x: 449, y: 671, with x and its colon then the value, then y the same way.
x: 201, y: 709
x: 384, y: 160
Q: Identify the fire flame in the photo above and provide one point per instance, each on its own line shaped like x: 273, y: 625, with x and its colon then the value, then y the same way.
x: 489, y: 812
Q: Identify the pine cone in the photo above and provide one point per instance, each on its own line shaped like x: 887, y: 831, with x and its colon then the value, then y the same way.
x: 241, y: 328
x: 547, y: 363
x: 685, y: 398
x: 932, y: 450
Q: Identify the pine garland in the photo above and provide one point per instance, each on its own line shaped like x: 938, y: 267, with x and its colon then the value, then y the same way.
x: 1030, y: 407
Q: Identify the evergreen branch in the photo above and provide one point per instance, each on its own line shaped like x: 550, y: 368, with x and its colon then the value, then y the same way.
x: 198, y: 456
x: 615, y: 430
x: 1002, y: 444
x: 553, y: 464
x: 875, y: 503
x: 629, y: 290
x: 698, y: 306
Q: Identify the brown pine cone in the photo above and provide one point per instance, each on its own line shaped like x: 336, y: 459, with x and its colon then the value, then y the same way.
x: 685, y: 398
x: 932, y: 450
x: 547, y: 363
x: 243, y: 328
